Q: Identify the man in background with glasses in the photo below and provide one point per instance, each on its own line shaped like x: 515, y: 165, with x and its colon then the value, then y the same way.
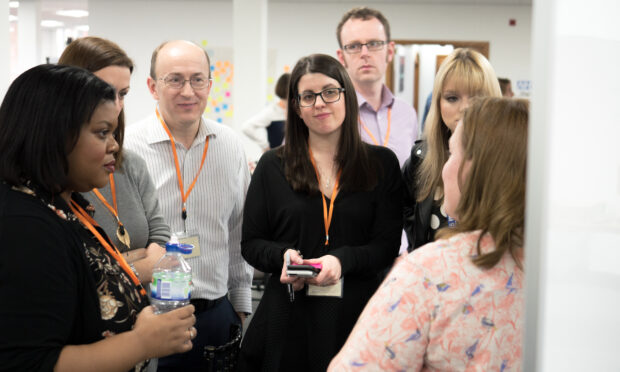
x: 201, y: 175
x: 365, y: 51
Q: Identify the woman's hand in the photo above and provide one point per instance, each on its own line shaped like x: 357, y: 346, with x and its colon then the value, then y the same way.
x: 330, y: 273
x: 145, y: 266
x: 166, y: 334
x: 297, y: 282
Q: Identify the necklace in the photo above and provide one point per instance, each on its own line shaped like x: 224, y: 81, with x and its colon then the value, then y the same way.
x: 327, y: 180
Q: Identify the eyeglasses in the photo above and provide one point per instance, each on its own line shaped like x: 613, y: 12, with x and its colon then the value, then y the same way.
x: 372, y: 46
x: 329, y: 95
x: 178, y: 82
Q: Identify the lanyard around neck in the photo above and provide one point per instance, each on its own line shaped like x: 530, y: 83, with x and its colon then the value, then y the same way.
x: 184, y: 195
x: 387, y: 133
x: 327, y: 218
x: 113, y: 210
x: 90, y: 224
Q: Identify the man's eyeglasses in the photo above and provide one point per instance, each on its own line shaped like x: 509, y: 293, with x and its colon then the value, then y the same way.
x: 329, y: 95
x: 372, y: 46
x: 177, y: 81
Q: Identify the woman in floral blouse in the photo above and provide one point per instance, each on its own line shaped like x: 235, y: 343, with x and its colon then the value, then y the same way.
x: 70, y: 300
x: 457, y: 304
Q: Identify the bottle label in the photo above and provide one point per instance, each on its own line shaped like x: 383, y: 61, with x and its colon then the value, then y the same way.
x: 174, y: 289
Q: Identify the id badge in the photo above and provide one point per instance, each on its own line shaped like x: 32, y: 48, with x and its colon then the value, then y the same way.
x: 190, y: 237
x: 328, y: 291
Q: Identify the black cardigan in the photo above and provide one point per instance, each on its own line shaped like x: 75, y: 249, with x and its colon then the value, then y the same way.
x: 364, y: 235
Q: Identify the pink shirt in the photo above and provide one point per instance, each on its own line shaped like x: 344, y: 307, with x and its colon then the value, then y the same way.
x: 437, y: 311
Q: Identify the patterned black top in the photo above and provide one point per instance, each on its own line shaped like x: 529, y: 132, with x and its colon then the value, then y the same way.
x: 64, y: 287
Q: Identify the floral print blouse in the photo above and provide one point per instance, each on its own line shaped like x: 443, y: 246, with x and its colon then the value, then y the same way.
x: 119, y: 299
x: 438, y: 311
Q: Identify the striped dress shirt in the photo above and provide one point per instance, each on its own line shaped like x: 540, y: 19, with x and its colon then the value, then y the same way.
x: 214, y: 206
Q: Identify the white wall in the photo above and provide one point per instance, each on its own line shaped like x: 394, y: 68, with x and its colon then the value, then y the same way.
x: 573, y: 210
x: 155, y: 21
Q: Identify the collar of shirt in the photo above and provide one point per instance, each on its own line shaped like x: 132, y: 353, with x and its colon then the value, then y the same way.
x: 387, y: 99
x: 156, y: 133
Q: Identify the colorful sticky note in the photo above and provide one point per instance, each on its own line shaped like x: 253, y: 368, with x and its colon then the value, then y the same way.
x: 227, y: 94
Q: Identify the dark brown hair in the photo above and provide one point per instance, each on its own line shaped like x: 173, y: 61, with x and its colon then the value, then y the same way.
x: 364, y: 13
x: 41, y: 117
x: 282, y: 85
x: 494, y: 140
x: 358, y: 171
x: 94, y: 53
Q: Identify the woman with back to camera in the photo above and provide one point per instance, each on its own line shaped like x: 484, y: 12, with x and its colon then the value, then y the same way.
x: 266, y: 128
x: 128, y: 208
x: 464, y: 74
x: 458, y: 303
x: 326, y: 198
x: 73, y: 301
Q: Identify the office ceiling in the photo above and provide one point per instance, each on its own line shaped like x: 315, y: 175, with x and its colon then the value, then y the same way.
x: 49, y: 7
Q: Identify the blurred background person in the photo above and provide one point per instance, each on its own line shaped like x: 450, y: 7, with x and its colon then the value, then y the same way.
x: 327, y: 198
x: 127, y: 207
x: 464, y: 74
x: 266, y: 128
x: 73, y: 301
x: 458, y: 303
x: 506, y: 87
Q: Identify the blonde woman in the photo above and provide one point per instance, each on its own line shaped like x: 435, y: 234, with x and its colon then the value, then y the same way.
x: 463, y: 75
x: 458, y: 303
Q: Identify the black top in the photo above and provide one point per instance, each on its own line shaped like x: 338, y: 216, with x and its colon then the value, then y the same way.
x: 364, y: 235
x: 421, y: 219
x: 59, y: 286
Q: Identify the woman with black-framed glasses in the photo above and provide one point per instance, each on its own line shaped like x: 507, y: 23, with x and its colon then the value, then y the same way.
x: 325, y: 199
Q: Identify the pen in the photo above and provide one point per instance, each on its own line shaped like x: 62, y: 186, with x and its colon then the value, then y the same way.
x: 289, y: 286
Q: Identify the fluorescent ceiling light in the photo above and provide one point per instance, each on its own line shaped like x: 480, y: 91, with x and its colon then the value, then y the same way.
x: 12, y: 18
x: 51, y: 23
x: 75, y: 13
x: 84, y: 28
x: 13, y: 4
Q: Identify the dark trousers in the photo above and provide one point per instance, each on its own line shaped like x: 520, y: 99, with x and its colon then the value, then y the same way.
x: 213, y: 327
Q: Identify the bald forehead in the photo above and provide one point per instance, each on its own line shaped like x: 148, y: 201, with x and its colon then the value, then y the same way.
x: 180, y: 51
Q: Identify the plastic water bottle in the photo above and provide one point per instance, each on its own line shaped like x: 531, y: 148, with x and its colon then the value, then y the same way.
x: 172, y: 278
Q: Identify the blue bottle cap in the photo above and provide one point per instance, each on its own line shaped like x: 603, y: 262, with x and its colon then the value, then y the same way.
x: 172, y: 247
x: 184, y: 248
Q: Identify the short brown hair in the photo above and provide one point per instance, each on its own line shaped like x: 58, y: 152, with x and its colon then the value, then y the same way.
x: 493, y: 193
x: 364, y: 13
x: 160, y: 46
x: 282, y: 85
x: 93, y: 54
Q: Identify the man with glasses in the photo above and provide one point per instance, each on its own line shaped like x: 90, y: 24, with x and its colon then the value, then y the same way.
x: 201, y: 175
x: 365, y: 51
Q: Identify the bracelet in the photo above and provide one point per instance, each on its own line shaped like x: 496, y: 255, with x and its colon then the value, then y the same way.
x: 133, y: 268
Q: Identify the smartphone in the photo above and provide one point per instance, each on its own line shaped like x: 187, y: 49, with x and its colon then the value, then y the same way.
x: 306, y: 271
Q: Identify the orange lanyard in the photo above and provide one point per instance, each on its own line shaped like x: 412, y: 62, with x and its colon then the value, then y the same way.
x: 114, y: 210
x: 387, y: 134
x: 90, y: 224
x: 184, y: 195
x: 327, y: 219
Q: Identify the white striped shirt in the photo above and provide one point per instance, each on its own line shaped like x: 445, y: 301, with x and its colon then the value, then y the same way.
x: 214, y: 206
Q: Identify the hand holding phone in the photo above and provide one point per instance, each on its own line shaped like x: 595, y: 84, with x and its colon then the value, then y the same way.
x: 305, y: 271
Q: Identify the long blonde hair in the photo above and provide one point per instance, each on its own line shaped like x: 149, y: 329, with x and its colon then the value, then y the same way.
x: 466, y: 68
x: 492, y: 199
